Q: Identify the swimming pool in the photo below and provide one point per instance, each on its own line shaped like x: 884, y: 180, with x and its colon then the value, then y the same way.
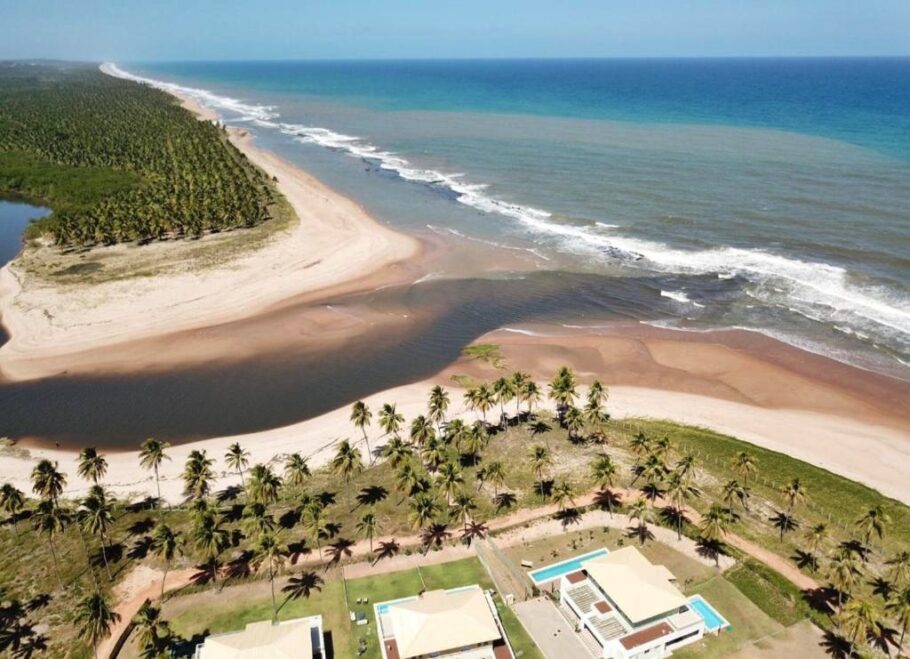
x: 713, y: 620
x: 556, y: 570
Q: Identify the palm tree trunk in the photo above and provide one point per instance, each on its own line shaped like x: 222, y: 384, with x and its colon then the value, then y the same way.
x: 107, y: 567
x: 167, y: 565
x: 367, y: 442
x: 272, y: 581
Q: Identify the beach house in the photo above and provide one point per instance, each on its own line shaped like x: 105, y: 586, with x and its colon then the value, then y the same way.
x: 461, y: 623
x: 629, y: 607
x: 300, y: 638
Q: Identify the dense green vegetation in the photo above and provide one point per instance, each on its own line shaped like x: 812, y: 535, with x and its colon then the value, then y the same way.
x: 420, y: 484
x: 119, y: 161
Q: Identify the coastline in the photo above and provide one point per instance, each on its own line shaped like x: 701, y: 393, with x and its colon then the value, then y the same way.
x: 333, y: 242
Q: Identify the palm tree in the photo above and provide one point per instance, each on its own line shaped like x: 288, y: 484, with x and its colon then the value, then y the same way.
x: 434, y: 454
x: 367, y: 526
x: 679, y: 490
x: 152, y: 631
x: 268, y: 551
x: 858, y: 619
x: 211, y: 539
x: 390, y: 420
x: 574, y: 421
x: 481, y: 399
x: 784, y: 522
x: 873, y: 522
x: 166, y: 545
x: 463, y: 507
x: 815, y: 536
x: 540, y: 463
x: 455, y: 431
x: 562, y: 390
x: 564, y: 495
x: 92, y: 465
x: 641, y: 512
x: 361, y: 417
x: 449, y: 479
x: 296, y: 470
x: 314, y: 518
x: 494, y: 473
x: 347, y: 463
x: 794, y: 493
x: 237, y: 458
x: 531, y: 395
x: 47, y: 482
x: 95, y: 517
x: 424, y: 510
x: 151, y: 456
x: 604, y: 471
x: 473, y: 441
x: 504, y: 393
x: 597, y: 394
x: 422, y: 431
x: 439, y: 405
x: 685, y: 467
x: 640, y: 444
x: 51, y: 520
x: 12, y: 501
x: 256, y: 518
x: 746, y: 466
x: 407, y: 478
x: 95, y: 617
x: 899, y: 568
x: 733, y: 491
x: 713, y: 527
x: 198, y: 474
x: 899, y: 608
x: 397, y: 451
x: 843, y: 573
x: 264, y: 485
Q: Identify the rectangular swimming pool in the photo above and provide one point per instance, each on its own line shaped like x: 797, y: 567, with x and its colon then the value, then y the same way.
x: 556, y: 570
x: 713, y: 620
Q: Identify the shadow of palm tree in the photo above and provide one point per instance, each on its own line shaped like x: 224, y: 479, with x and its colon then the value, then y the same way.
x: 140, y: 527
x: 140, y: 548
x: 232, y: 514
x: 673, y: 516
x: 338, y: 550
x: 230, y: 493
x: 882, y: 587
x: 711, y: 549
x: 186, y: 647
x: 298, y: 549
x: 544, y: 488
x: 203, y: 575
x: 607, y: 499
x: 326, y: 498
x: 331, y: 530
x: 38, y: 602
x: 371, y: 495
x: 641, y: 533
x: 568, y: 516
x: 434, y: 535
x: 805, y: 560
x: 822, y: 599
x: 837, y: 646
x: 240, y: 566
x: 387, y: 549
x: 301, y: 586
x: 856, y: 548
x: 474, y: 531
x: 505, y: 501
x: 289, y: 518
x: 148, y: 503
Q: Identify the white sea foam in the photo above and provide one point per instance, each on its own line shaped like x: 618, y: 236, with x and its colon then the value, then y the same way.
x: 818, y: 291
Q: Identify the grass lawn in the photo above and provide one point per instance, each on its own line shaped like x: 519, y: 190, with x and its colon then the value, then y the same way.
x: 212, y: 612
x: 406, y: 583
x: 749, y: 623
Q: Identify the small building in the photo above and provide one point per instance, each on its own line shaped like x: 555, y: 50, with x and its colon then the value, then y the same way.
x: 300, y: 638
x: 461, y: 623
x: 629, y: 607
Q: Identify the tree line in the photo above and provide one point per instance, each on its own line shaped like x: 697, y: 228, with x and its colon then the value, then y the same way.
x: 147, y: 169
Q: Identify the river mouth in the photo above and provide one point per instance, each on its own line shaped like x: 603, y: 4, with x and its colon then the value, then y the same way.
x: 391, y: 336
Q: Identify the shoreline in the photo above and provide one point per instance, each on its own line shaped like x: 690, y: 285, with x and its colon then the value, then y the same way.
x: 334, y: 243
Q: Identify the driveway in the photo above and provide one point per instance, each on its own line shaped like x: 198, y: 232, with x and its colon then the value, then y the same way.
x: 555, y: 637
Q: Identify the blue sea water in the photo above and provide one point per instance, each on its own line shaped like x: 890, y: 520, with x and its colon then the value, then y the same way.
x: 775, y: 191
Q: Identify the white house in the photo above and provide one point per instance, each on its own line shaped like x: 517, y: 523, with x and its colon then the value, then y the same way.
x: 300, y: 638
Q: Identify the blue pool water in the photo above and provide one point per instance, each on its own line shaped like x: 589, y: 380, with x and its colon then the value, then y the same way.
x: 558, y: 569
x: 713, y: 620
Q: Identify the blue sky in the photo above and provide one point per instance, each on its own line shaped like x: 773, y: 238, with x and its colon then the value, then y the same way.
x: 133, y: 30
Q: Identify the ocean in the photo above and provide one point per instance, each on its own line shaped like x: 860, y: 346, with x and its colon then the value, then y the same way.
x: 765, y: 194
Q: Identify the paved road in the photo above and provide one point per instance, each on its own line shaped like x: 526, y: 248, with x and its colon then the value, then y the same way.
x: 553, y: 635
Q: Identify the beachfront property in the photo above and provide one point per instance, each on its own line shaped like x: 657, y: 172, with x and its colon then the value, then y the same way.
x: 625, y: 607
x: 300, y: 638
x: 461, y: 623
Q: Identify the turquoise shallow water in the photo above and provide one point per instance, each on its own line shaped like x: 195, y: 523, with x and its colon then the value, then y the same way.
x: 787, y: 182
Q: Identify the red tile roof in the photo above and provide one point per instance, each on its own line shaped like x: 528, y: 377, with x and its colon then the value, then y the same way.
x: 646, y: 635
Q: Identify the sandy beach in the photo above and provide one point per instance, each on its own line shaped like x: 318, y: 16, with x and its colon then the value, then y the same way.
x: 335, y: 242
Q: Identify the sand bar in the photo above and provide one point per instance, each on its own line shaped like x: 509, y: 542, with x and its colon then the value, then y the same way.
x: 334, y: 242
